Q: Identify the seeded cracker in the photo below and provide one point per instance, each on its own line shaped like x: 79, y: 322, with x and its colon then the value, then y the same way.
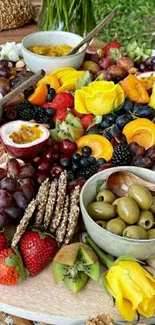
x: 50, y: 203
x: 62, y: 185
x: 61, y: 230
x: 24, y: 222
x: 73, y: 214
x: 42, y: 198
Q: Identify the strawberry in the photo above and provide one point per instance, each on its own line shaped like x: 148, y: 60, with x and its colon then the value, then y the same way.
x: 62, y: 100
x: 75, y: 113
x: 109, y: 46
x: 12, y: 271
x: 47, y: 104
x: 87, y: 120
x: 2, y: 241
x: 60, y: 114
x: 37, y: 249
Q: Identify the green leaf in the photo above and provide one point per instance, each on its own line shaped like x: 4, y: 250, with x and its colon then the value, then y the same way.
x: 84, y: 80
x: 127, y: 257
x: 104, y: 284
x: 99, y: 184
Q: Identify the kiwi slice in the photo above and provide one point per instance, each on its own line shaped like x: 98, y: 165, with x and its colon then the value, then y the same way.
x: 74, y: 264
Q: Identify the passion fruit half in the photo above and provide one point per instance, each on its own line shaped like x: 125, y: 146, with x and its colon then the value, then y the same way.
x: 23, y: 139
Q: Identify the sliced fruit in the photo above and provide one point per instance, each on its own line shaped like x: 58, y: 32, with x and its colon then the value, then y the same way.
x: 39, y: 95
x: 141, y: 131
x: 50, y: 80
x: 61, y: 70
x: 71, y: 128
x: 135, y: 90
x: 35, y: 138
x: 73, y: 264
x: 101, y: 147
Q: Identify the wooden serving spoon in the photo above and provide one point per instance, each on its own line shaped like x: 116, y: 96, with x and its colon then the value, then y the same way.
x: 119, y: 182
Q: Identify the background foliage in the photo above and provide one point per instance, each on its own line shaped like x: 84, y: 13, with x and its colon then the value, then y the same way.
x: 135, y: 20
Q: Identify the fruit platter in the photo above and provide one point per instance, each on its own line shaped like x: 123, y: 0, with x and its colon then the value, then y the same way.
x: 77, y: 181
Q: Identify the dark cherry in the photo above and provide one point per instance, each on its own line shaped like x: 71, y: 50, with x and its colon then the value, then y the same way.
x: 118, y: 138
x: 141, y: 161
x: 68, y: 147
x: 151, y: 153
x: 51, y: 154
x: 41, y: 176
x: 55, y: 171
x: 71, y: 185
x: 43, y: 165
x: 105, y: 166
x: 136, y: 149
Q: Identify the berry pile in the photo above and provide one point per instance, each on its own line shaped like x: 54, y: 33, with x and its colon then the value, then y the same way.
x: 16, y: 191
x: 64, y: 155
x: 27, y: 112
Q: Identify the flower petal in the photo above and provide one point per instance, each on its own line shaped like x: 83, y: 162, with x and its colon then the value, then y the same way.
x: 125, y: 308
x: 80, y: 102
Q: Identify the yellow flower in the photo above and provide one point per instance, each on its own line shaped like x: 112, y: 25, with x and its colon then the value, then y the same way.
x: 99, y: 98
x: 133, y: 289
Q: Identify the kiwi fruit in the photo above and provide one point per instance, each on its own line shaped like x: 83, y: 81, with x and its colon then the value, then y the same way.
x: 74, y: 264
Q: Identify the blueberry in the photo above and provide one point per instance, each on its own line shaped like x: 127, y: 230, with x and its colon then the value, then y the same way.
x: 104, y: 124
x: 75, y: 167
x: 65, y: 163
x: 122, y: 120
x: 84, y: 163
x: 101, y: 161
x: 49, y: 112
x: 76, y: 157
x: 111, y: 118
x: 128, y: 105
x: 144, y: 111
x: 114, y: 130
x: 48, y: 87
x: 92, y: 160
x: 71, y: 175
x: 52, y: 92
x: 86, y: 150
x: 117, y: 80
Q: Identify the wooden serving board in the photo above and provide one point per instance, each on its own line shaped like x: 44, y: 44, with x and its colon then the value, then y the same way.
x: 39, y: 299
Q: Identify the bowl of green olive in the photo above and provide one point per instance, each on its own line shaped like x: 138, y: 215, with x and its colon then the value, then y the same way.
x: 120, y: 225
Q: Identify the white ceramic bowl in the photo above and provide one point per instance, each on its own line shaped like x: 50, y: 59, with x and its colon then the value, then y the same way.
x: 36, y: 62
x: 109, y: 242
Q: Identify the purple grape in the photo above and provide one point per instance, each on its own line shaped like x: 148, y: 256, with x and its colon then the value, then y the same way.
x: 9, y: 184
x: 28, y: 191
x: 13, y: 167
x: 14, y: 214
x: 3, y: 219
x: 5, y: 199
x: 3, y: 173
x: 20, y: 200
x: 26, y: 171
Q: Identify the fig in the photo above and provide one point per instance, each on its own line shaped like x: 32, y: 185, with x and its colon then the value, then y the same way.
x: 125, y: 62
x: 74, y: 264
x: 116, y: 71
x: 105, y: 75
x: 105, y: 63
x: 4, y: 86
x: 91, y: 66
x: 4, y: 72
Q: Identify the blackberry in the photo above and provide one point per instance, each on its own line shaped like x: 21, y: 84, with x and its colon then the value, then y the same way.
x: 86, y: 172
x: 27, y: 111
x: 122, y: 155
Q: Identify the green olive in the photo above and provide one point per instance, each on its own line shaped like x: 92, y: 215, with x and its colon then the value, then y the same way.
x: 151, y: 233
x: 116, y: 226
x: 101, y: 211
x: 135, y: 232
x: 146, y: 220
x: 128, y: 210
x: 101, y: 223
x: 152, y: 209
x: 106, y: 196
x: 141, y: 195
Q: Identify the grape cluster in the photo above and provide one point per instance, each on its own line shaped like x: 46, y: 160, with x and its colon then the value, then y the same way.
x: 16, y: 191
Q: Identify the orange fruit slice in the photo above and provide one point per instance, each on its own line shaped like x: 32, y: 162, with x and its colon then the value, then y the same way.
x: 39, y: 95
x: 101, y: 147
x: 50, y: 80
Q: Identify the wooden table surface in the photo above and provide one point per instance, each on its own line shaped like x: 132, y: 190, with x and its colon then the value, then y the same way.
x: 16, y: 35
